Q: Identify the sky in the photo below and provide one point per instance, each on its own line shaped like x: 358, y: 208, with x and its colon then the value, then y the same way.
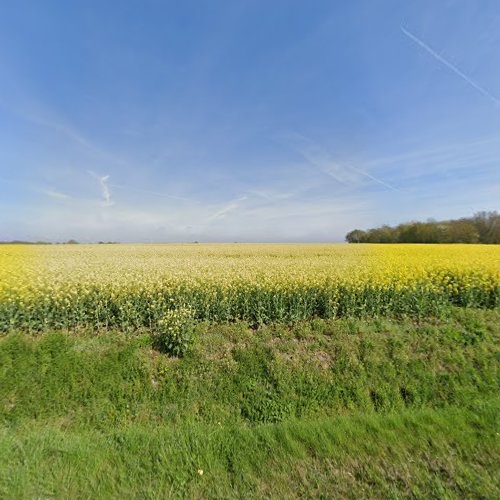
x: 244, y: 120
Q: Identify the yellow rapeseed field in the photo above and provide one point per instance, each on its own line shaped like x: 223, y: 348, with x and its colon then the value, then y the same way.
x: 133, y: 286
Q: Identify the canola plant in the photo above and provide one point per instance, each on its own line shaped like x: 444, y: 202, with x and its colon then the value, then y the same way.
x: 135, y: 286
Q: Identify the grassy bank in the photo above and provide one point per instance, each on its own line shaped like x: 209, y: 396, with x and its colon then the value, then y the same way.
x: 237, y: 374
x: 345, y: 407
x: 425, y: 453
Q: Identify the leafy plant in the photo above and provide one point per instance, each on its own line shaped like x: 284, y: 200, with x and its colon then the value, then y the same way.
x: 174, y: 332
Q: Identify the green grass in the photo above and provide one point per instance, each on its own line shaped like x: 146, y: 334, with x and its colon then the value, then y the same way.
x: 427, y: 453
x: 344, y: 407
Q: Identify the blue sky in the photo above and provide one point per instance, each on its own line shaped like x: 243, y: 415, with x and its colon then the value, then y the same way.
x: 234, y: 120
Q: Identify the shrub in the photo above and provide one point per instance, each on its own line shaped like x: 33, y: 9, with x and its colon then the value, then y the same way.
x: 174, y: 332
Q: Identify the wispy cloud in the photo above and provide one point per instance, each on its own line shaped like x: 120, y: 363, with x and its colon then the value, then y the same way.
x: 373, y: 178
x: 230, y: 207
x: 56, y: 195
x: 103, y: 183
x: 152, y: 193
x: 454, y: 150
x: 449, y: 65
x: 414, y: 168
x: 341, y: 171
x: 45, y: 117
x: 60, y: 128
x: 271, y: 195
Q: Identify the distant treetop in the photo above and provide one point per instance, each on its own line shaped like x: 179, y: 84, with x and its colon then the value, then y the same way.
x: 482, y: 227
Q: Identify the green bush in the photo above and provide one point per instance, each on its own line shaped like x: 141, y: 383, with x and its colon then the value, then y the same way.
x: 174, y: 332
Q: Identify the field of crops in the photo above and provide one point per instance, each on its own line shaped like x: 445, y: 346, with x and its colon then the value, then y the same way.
x: 176, y: 397
x: 134, y: 286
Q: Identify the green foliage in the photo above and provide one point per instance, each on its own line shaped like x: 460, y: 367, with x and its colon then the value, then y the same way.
x: 483, y: 227
x: 337, y: 408
x: 234, y: 374
x: 98, y: 308
x: 174, y: 332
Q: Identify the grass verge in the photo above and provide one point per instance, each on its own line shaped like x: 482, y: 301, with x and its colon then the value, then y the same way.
x: 347, y: 407
x: 449, y: 452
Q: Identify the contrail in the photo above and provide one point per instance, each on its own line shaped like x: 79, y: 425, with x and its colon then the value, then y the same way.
x: 343, y: 173
x: 448, y: 64
x: 103, y: 181
x: 375, y: 179
x: 233, y: 205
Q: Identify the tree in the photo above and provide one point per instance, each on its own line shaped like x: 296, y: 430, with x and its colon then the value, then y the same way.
x: 355, y: 236
x: 462, y: 231
x: 483, y: 227
x: 488, y: 226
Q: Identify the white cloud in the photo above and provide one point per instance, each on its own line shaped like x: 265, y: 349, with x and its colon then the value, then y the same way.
x: 56, y: 195
x: 230, y: 207
x: 103, y: 182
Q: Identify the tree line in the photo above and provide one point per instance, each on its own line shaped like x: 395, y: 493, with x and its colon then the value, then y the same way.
x: 482, y: 227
